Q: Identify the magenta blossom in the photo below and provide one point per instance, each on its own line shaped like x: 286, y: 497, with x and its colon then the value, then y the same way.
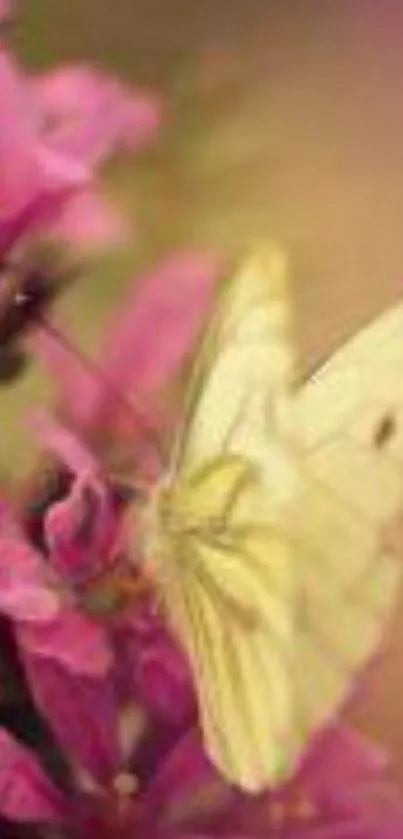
x: 79, y: 599
x: 84, y: 604
x: 75, y: 99
x: 89, y: 640
x: 48, y: 155
x: 89, y: 115
x: 31, y: 174
x: 166, y: 787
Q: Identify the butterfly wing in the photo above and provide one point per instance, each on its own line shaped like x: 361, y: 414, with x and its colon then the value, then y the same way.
x: 245, y: 361
x: 348, y: 426
x: 229, y: 594
x: 281, y: 604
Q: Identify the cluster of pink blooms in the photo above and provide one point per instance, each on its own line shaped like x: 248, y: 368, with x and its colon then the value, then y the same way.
x: 109, y: 745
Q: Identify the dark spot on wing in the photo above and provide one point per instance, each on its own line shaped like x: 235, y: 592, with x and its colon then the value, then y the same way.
x: 384, y: 431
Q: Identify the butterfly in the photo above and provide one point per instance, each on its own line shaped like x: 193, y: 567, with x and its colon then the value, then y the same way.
x: 268, y: 535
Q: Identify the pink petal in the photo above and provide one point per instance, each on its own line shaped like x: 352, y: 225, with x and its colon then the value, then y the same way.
x: 27, y: 169
x: 26, y: 794
x: 67, y: 89
x: 344, y: 776
x: 95, y: 114
x: 160, y: 323
x: 349, y: 775
x: 59, y: 174
x: 63, y: 444
x: 82, y: 713
x: 25, y: 590
x: 34, y: 216
x: 7, y: 9
x: 18, y: 224
x: 152, y: 667
x: 75, y: 641
x: 341, y: 758
x: 18, y: 134
x: 192, y: 795
x: 88, y: 137
x: 61, y: 524
x: 184, y: 769
x: 140, y: 116
x: 162, y: 680
x: 80, y: 559
x: 157, y: 329
x: 90, y: 222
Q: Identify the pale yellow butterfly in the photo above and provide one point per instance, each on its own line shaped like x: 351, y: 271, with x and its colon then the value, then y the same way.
x: 267, y: 536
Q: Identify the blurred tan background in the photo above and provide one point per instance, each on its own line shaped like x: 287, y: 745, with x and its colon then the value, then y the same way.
x: 285, y: 120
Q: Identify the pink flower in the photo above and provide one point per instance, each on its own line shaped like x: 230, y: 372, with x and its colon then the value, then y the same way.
x: 169, y: 789
x: 75, y: 100
x: 24, y: 594
x: 45, y: 620
x: 90, y: 116
x: 49, y: 151
x: 84, y: 662
x: 34, y: 180
x: 88, y: 607
x: 82, y: 712
x: 24, y: 788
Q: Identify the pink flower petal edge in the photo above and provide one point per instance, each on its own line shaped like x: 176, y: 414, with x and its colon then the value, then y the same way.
x: 92, y: 223
x: 7, y: 9
x: 77, y: 642
x: 78, y: 97
x: 25, y: 593
x: 28, y: 168
x: 82, y: 713
x: 63, y: 444
x: 26, y: 794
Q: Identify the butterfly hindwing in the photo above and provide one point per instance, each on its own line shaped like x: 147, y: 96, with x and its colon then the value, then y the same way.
x: 353, y: 489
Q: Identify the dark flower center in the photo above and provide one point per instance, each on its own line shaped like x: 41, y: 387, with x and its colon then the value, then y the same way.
x: 26, y: 292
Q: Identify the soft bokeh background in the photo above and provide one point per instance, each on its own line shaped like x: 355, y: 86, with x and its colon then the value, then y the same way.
x: 284, y: 119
